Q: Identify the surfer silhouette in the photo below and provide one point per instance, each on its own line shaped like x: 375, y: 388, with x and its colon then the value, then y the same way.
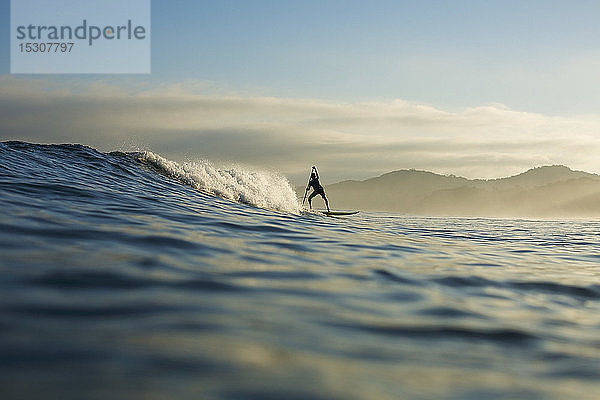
x: 317, y: 188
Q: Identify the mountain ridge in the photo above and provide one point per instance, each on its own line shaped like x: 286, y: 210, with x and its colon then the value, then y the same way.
x: 545, y: 191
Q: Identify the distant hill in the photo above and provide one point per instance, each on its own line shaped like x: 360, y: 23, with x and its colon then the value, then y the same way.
x: 549, y: 191
x: 543, y: 176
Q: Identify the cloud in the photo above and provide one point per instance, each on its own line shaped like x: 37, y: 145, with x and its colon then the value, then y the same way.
x: 347, y: 140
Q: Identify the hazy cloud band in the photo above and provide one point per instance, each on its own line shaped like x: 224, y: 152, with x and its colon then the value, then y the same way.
x: 347, y: 140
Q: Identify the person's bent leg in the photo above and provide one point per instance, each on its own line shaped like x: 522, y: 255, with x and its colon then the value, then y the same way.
x: 326, y: 201
x: 312, y: 195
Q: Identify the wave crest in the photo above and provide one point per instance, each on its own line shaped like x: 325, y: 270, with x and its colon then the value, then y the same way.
x: 263, y: 189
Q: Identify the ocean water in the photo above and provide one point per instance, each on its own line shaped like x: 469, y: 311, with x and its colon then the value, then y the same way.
x: 129, y: 276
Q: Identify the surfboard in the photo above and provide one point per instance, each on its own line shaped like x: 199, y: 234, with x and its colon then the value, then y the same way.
x: 338, y: 213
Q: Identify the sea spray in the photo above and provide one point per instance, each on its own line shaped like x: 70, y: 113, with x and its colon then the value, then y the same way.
x: 258, y: 188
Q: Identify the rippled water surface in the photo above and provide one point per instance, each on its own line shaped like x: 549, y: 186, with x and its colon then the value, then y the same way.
x: 127, y: 276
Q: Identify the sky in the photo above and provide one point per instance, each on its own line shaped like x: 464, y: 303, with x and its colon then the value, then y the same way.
x: 480, y: 89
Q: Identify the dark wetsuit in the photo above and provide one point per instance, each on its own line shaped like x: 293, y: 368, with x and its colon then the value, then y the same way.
x: 317, y: 190
x: 316, y: 185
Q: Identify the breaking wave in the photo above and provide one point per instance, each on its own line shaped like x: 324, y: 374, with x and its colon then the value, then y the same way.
x: 263, y: 189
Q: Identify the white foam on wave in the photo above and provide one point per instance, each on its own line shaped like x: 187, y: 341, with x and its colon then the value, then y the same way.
x: 263, y: 189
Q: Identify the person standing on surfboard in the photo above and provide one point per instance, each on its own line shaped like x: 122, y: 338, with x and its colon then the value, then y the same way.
x: 317, y: 188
